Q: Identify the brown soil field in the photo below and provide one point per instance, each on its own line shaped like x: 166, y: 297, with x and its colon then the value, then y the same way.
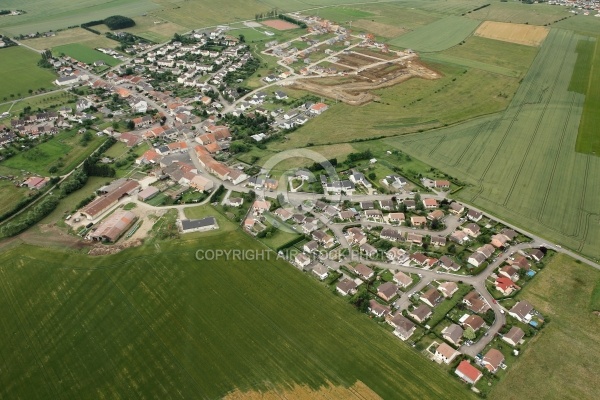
x: 355, y: 60
x: 375, y: 53
x: 356, y: 89
x: 279, y: 24
x: 357, y: 391
x: 529, y: 35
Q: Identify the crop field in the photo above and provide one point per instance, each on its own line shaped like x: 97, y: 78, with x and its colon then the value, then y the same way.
x: 20, y: 65
x: 10, y: 195
x: 429, y: 39
x: 582, y: 24
x: 63, y: 150
x: 410, y: 110
x: 74, y: 35
x: 559, y: 363
x: 521, y: 163
x: 586, y: 80
x: 42, y: 17
x: 155, y: 322
x: 518, y: 13
x: 85, y: 54
x: 529, y: 35
x: 391, y: 16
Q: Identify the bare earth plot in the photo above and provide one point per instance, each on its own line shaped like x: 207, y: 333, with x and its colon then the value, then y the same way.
x: 529, y: 35
x: 280, y: 24
x: 358, y: 391
x: 521, y: 163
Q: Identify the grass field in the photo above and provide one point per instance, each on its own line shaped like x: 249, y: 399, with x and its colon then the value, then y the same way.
x: 410, y: 106
x: 155, y: 322
x: 63, y: 149
x: 582, y: 24
x: 21, y: 65
x: 429, y: 39
x: 43, y: 101
x: 557, y: 364
x: 85, y: 54
x: 521, y: 163
x: 10, y: 195
x: 586, y: 80
x: 518, y: 13
x: 74, y: 35
x: 42, y: 17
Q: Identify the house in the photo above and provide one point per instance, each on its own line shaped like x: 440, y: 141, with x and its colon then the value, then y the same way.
x: 431, y: 297
x: 323, y: 238
x: 410, y: 204
x: 435, y: 215
x: 509, y: 233
x: 514, y: 336
x: 492, y: 360
x: 453, y: 333
x: 311, y: 246
x: 449, y: 265
x: 346, y: 286
x: 418, y: 221
x: 414, y: 238
x: 520, y: 262
x: 476, y: 259
x: 368, y: 250
x: 404, y: 328
x: 441, y: 184
x: 83, y: 104
x: 298, y: 218
x: 448, y: 288
x: 402, y: 279
x: 419, y: 258
x: 309, y: 226
x: 438, y: 241
x: 391, y: 234
x: 198, y: 225
x: 318, y: 108
x: 474, y: 216
x: 375, y: 215
x: 509, y: 272
x: 474, y: 322
x: 235, y: 201
x: 378, y: 310
x: 359, y: 177
x: 302, y: 260
x: 395, y: 181
x: 456, y: 208
x: 249, y: 223
x: 260, y: 206
x: 521, y: 311
x: 201, y: 183
x: 386, y: 204
x: 387, y: 291
x: 536, y: 254
x: 475, y: 303
x: 499, y: 240
x: 356, y: 236
x: 420, y: 313
x: 320, y: 271
x: 468, y: 373
x: 283, y: 214
x: 36, y: 182
x: 430, y: 203
x: 505, y: 285
x: 279, y: 95
x: 487, y: 250
x: 363, y: 271
x: 444, y: 353
x: 459, y: 237
x: 472, y: 230
x: 367, y: 205
x: 396, y: 218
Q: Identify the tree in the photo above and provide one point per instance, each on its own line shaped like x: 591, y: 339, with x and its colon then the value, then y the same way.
x: 242, y: 39
x: 469, y: 333
x: 130, y: 125
x: 372, y: 176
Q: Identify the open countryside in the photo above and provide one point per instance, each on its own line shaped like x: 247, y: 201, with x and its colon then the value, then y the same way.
x: 21, y: 66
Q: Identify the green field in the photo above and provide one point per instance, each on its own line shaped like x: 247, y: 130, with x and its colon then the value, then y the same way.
x: 521, y: 164
x: 437, y: 36
x: 410, y: 106
x: 63, y: 150
x: 20, y: 64
x: 586, y: 80
x: 515, y: 12
x: 85, y: 54
x: 558, y: 363
x: 155, y: 322
x: 10, y: 195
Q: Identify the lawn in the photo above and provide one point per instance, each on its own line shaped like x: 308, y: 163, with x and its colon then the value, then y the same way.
x: 155, y: 322
x: 428, y: 38
x: 85, y: 54
x: 586, y: 80
x: 560, y: 362
x: 43, y: 101
x: 514, y: 161
x: 21, y: 65
x: 64, y: 151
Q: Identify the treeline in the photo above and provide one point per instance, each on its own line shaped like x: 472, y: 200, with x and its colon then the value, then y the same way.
x: 92, y: 165
x: 269, y: 14
x: 113, y: 23
x: 293, y: 20
x: 31, y: 217
x: 321, y: 166
x: 19, y: 206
